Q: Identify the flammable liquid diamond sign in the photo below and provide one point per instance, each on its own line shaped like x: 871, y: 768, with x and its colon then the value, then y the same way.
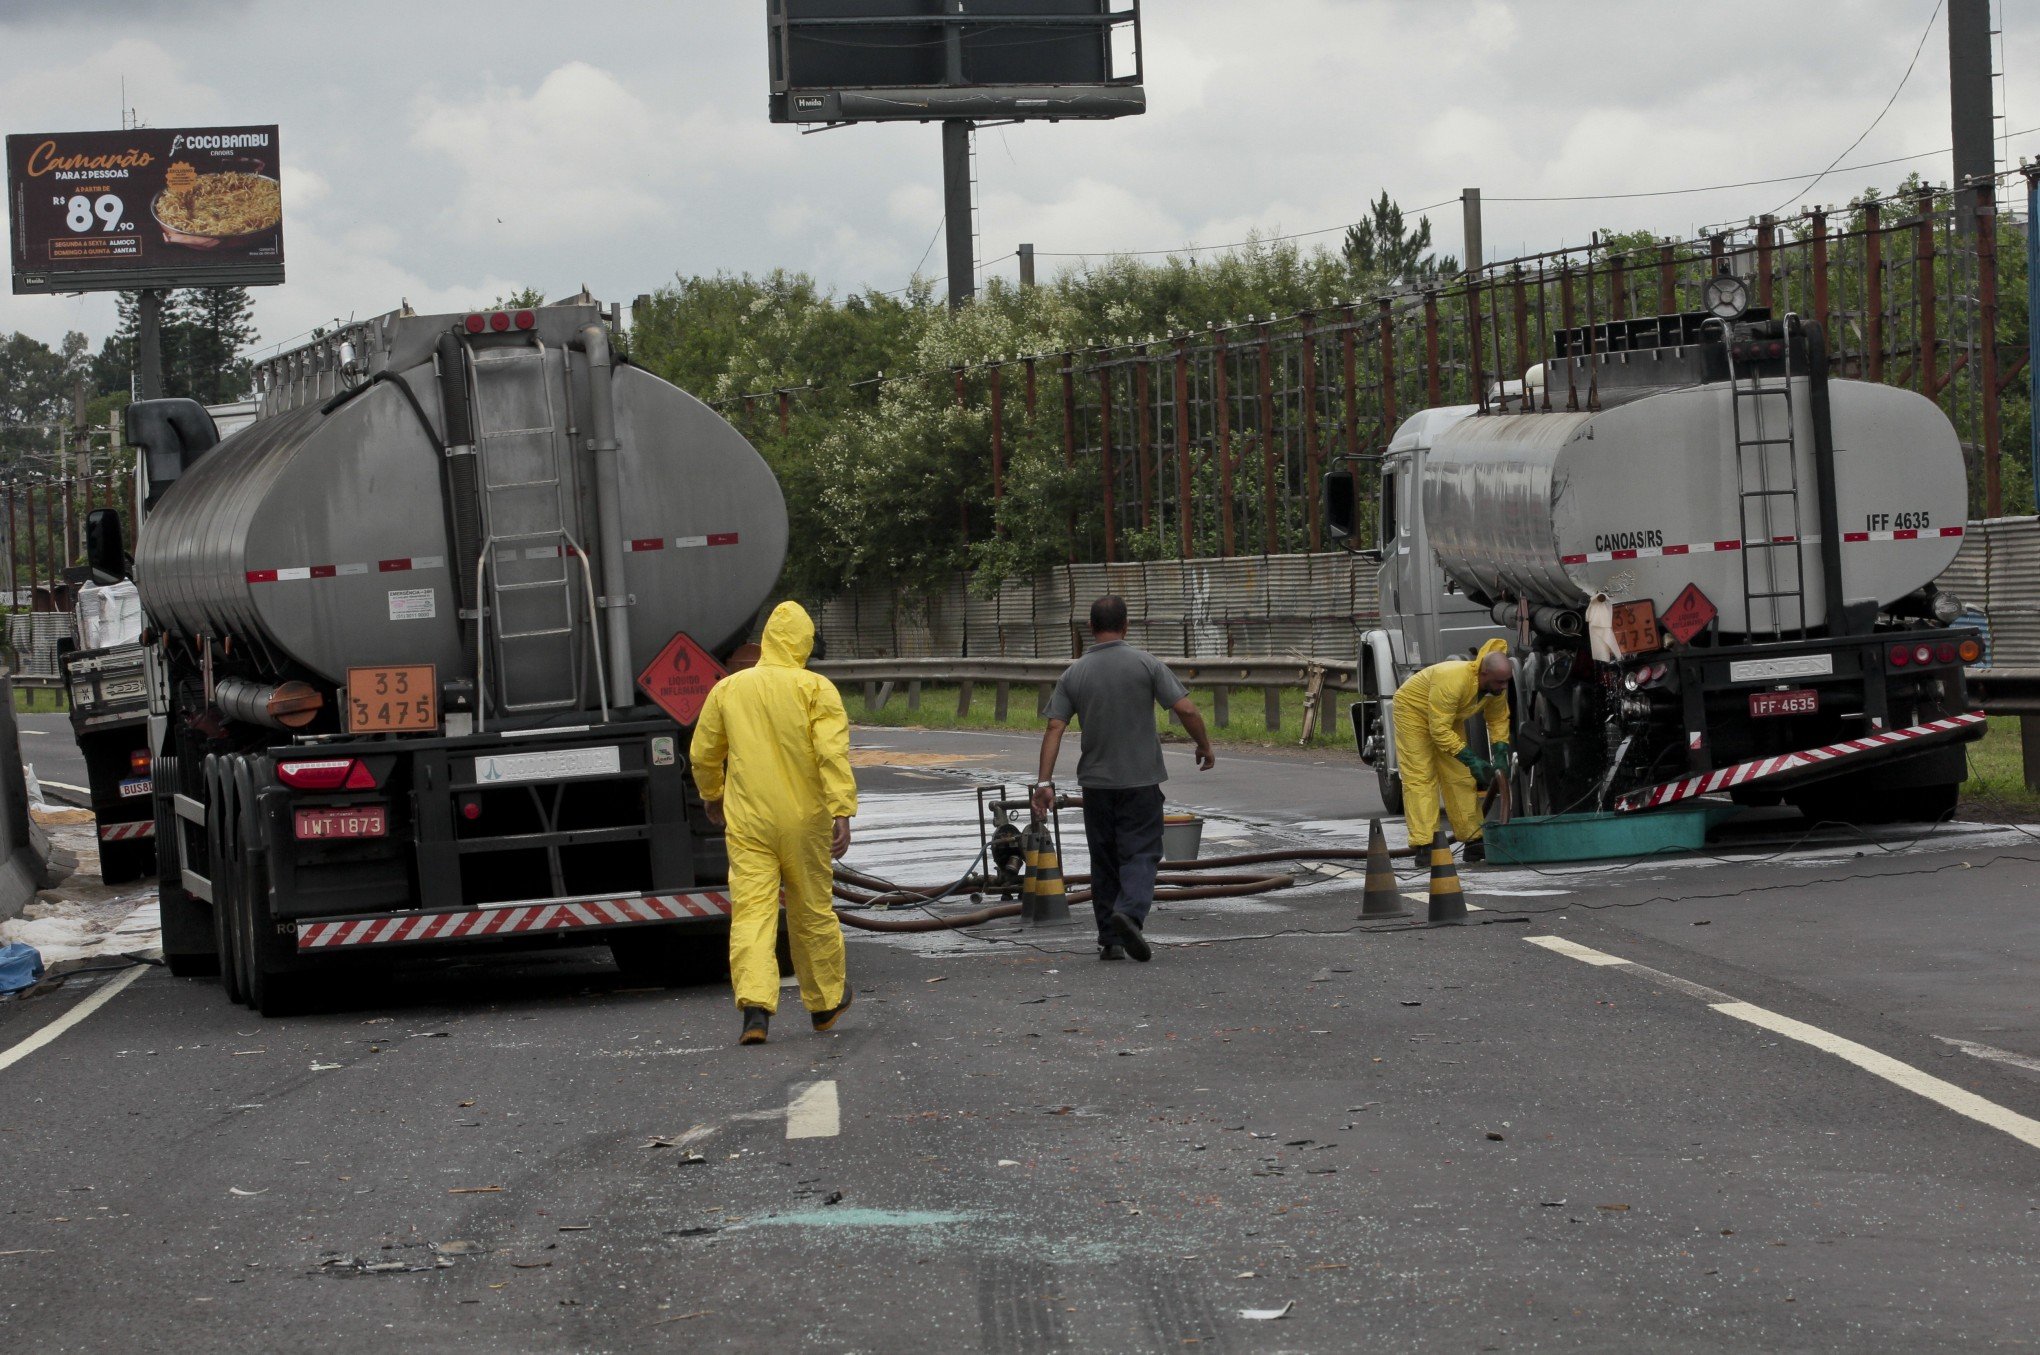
x: 680, y: 677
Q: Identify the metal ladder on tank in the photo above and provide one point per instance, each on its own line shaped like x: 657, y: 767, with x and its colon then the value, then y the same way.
x: 524, y: 524
x: 1770, y: 557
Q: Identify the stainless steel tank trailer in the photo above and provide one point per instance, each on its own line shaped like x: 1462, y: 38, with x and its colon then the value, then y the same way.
x: 401, y: 632
x: 1715, y: 560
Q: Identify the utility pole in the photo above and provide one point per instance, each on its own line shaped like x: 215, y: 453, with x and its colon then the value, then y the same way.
x: 1026, y: 253
x: 149, y: 343
x: 1469, y: 207
x: 81, y: 466
x: 956, y: 197
x: 1970, y: 105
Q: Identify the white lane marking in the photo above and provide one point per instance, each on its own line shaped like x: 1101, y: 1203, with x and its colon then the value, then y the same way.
x: 65, y: 785
x: 35, y: 733
x: 1945, y: 1094
x: 2020, y: 1127
x: 1992, y: 1053
x: 106, y: 994
x: 1574, y: 950
x: 814, y: 1112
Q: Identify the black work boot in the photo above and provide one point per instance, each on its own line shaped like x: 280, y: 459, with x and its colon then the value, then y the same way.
x: 824, y: 1020
x: 756, y: 1019
x: 1111, y: 950
x: 1475, y: 852
x: 1129, y: 934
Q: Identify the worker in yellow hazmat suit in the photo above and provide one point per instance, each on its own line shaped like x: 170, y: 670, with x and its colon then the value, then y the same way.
x: 1431, y: 711
x: 771, y: 756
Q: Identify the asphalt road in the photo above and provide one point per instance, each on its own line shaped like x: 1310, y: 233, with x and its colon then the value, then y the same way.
x: 1710, y: 1104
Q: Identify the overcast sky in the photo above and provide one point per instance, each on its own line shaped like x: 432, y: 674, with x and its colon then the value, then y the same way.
x: 447, y: 152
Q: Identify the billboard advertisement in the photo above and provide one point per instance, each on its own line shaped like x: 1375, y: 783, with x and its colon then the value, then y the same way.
x: 151, y: 207
x: 918, y: 60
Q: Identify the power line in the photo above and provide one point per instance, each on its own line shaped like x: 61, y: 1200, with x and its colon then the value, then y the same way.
x: 1880, y: 112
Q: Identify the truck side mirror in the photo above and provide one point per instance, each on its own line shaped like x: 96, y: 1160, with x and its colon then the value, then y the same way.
x: 1342, y: 505
x: 105, y: 546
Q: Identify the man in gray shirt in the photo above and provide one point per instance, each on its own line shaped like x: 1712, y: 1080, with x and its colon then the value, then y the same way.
x: 1113, y: 691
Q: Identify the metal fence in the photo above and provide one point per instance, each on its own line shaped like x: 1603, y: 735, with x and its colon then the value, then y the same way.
x: 1212, y: 443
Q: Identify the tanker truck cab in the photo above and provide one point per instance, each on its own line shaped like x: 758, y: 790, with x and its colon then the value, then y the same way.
x: 1715, y: 560
x: 1425, y: 616
x: 424, y: 642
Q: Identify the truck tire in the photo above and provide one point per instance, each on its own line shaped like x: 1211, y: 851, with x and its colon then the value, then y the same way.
x: 276, y: 984
x: 187, y: 922
x: 226, y: 947
x: 1391, y: 787
x: 121, y: 862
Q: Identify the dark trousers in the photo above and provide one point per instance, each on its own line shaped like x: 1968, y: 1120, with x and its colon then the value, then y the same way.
x: 1123, y: 829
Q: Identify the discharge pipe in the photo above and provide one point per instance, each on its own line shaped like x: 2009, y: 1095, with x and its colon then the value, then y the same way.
x: 1545, y: 620
x: 608, y: 512
x: 286, y: 705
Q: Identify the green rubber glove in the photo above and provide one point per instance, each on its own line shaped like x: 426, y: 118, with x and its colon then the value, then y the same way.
x: 1505, y: 757
x: 1483, y: 771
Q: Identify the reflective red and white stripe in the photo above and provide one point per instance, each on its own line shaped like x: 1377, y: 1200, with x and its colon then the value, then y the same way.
x: 402, y: 564
x: 509, y: 919
x: 1742, y: 773
x: 1601, y: 557
x: 121, y: 832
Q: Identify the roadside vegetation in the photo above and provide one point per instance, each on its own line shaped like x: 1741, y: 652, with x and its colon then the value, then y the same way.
x: 1997, y: 775
x: 1248, y: 727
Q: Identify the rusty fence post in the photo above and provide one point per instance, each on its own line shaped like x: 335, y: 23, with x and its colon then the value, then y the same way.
x: 1388, y: 400
x: 1269, y: 503
x: 1105, y: 467
x: 1767, y: 239
x: 1925, y: 298
x: 1473, y: 344
x: 1349, y: 380
x: 1142, y: 443
x: 1618, y: 285
x: 1184, y: 538
x: 998, y: 446
x: 1566, y: 326
x: 1432, y: 395
x: 1873, y: 289
x: 1820, y: 280
x: 1228, y: 538
x: 1069, y: 393
x: 1310, y: 429
x: 1522, y: 333
x: 1987, y: 306
x: 1668, y: 278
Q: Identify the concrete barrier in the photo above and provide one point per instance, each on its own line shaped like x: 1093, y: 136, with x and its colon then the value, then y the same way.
x: 25, y: 868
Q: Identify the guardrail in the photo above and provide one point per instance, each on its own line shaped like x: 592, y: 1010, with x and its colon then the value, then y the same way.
x: 2013, y: 692
x: 881, y: 678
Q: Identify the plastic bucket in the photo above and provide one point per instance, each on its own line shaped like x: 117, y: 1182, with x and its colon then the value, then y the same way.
x: 1182, y: 835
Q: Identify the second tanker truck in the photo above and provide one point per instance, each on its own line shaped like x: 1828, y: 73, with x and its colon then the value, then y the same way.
x: 1716, y: 564
x: 421, y: 645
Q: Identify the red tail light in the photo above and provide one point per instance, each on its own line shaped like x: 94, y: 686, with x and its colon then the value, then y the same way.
x: 477, y: 323
x: 1945, y: 653
x: 333, y: 773
x: 1901, y: 655
x: 499, y: 322
x: 139, y: 762
x: 1923, y: 655
x: 525, y: 319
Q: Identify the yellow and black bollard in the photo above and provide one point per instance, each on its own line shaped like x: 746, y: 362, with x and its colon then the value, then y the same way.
x: 1383, y: 899
x: 1448, y: 904
x: 1043, y: 900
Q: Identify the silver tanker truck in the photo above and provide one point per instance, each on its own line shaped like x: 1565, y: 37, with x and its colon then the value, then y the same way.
x: 1715, y: 562
x: 420, y: 642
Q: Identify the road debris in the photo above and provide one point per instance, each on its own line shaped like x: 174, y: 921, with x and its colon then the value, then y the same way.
x: 1267, y: 1314
x: 238, y: 1191
x: 474, y: 1190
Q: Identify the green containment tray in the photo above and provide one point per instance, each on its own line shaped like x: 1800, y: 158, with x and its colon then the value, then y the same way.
x: 1595, y: 837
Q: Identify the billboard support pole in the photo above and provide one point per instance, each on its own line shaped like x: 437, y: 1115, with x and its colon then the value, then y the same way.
x: 956, y: 195
x: 149, y: 343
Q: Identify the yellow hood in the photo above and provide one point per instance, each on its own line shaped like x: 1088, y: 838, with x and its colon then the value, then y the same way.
x: 789, y: 637
x: 1495, y: 646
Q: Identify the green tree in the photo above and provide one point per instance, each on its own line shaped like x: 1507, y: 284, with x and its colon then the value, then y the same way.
x: 1380, y: 245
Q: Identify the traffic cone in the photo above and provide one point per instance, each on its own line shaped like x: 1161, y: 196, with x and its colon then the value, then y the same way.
x: 1043, y: 899
x: 1448, y: 905
x: 1383, y: 899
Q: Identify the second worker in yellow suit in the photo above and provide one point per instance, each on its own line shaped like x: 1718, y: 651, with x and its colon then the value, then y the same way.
x: 1431, y: 711
x: 786, y: 799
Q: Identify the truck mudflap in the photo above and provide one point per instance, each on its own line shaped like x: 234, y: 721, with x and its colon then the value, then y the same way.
x: 1808, y: 764
x: 510, y: 919
x: 122, y: 832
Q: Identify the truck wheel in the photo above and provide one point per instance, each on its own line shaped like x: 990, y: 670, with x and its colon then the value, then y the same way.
x: 1391, y: 787
x: 276, y: 987
x: 120, y: 862
x: 187, y: 922
x: 226, y: 947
